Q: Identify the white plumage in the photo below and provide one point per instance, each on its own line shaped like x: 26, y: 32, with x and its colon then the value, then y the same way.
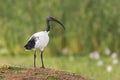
x: 40, y: 40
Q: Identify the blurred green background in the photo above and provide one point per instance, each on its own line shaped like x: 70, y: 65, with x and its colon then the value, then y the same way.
x: 91, y: 25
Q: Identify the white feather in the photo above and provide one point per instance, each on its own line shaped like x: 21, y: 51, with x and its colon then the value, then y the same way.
x: 41, y: 39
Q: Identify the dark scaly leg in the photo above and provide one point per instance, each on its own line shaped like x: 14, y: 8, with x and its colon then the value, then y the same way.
x: 42, y: 59
x: 35, y: 59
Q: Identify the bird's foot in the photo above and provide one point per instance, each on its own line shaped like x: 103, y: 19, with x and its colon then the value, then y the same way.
x: 42, y: 67
x: 34, y: 67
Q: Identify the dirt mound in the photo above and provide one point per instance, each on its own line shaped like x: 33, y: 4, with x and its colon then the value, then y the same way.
x: 13, y: 73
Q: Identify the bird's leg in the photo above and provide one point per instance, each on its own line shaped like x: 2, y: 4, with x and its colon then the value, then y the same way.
x: 42, y: 60
x: 35, y: 59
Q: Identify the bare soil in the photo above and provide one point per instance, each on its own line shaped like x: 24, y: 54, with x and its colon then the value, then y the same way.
x: 15, y: 73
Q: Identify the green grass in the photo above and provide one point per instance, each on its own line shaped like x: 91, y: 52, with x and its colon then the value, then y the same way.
x: 80, y: 65
x: 90, y: 24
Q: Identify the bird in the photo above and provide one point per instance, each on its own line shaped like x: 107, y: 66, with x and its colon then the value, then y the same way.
x: 39, y: 40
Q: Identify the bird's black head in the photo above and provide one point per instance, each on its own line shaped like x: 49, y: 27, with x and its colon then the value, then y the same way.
x: 49, y: 18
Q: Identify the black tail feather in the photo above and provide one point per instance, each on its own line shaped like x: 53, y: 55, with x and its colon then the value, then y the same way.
x: 30, y: 45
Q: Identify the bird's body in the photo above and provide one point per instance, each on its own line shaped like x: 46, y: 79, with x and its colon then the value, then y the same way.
x: 40, y: 40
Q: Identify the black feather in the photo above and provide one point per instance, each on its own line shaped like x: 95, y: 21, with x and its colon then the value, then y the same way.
x: 31, y: 44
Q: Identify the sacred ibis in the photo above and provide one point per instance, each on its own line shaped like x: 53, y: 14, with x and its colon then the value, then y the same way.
x: 40, y: 40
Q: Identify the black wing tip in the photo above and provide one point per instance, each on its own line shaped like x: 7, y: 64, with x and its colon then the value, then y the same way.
x: 31, y: 44
x: 28, y: 47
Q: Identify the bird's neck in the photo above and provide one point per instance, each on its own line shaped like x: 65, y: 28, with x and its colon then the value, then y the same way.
x: 47, y: 31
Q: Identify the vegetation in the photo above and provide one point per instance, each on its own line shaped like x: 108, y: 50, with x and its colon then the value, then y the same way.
x: 83, y: 66
x: 91, y: 25
x: 10, y: 73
